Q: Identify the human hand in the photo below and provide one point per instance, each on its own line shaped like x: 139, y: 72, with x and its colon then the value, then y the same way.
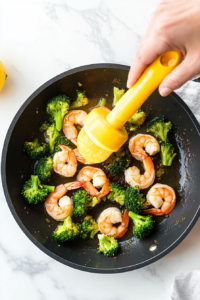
x: 175, y: 25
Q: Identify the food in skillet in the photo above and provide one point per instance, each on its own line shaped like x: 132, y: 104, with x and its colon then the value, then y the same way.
x: 94, y: 184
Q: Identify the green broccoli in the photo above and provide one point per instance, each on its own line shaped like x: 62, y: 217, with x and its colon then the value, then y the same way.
x: 67, y: 231
x: 36, y: 150
x: 89, y: 226
x: 43, y: 127
x: 134, y: 201
x: 107, y: 245
x: 167, y: 153
x: 81, y: 100
x: 118, y: 162
x: 136, y: 120
x: 143, y: 225
x: 93, y: 201
x: 80, y: 201
x: 52, y: 135
x: 35, y: 192
x: 159, y: 127
x: 117, y: 193
x: 44, y: 168
x: 58, y: 107
x: 118, y: 93
x: 62, y: 140
x: 102, y: 102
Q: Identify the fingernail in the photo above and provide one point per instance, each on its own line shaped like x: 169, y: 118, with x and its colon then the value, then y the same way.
x: 165, y: 92
x: 128, y: 83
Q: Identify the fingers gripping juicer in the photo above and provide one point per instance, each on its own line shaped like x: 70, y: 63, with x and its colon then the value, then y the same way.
x: 103, y: 132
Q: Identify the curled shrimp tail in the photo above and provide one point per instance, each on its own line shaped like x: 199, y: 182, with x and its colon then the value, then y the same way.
x: 65, y: 148
x: 122, y: 229
x: 88, y: 187
x: 73, y: 185
x: 125, y: 219
x: 153, y: 211
x: 105, y: 189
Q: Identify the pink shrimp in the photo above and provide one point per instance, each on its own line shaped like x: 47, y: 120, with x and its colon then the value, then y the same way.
x: 156, y: 195
x: 110, y: 216
x: 58, y: 206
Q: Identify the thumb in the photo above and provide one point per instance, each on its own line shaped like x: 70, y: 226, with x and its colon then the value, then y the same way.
x: 180, y: 75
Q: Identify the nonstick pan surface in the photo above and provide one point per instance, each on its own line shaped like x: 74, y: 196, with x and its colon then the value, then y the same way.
x: 184, y: 176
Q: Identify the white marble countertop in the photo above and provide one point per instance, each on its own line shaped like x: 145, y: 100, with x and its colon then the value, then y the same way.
x: 38, y: 40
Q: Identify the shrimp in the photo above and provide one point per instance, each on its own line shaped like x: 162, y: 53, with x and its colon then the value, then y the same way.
x: 58, y: 206
x: 133, y: 176
x: 140, y: 141
x: 156, y: 194
x: 81, y: 158
x: 110, y: 216
x: 64, y: 162
x: 70, y: 119
x: 99, y: 180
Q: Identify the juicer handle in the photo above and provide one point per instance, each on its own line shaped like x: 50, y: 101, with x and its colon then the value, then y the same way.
x: 150, y: 79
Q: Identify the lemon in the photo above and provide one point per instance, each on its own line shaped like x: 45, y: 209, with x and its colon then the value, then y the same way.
x: 2, y: 75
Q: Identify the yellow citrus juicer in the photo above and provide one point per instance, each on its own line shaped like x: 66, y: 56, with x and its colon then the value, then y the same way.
x: 103, y: 132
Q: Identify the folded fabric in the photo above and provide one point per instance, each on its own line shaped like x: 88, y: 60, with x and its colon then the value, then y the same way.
x: 190, y: 93
x: 186, y: 286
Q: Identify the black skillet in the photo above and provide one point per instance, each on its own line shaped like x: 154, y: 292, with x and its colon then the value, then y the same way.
x: 184, y: 176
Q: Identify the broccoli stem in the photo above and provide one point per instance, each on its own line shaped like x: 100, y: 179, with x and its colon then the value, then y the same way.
x: 106, y: 242
x: 58, y: 120
x: 102, y: 102
x: 35, y: 143
x: 167, y: 160
x: 51, y: 146
x: 49, y: 188
x: 137, y: 219
x: 67, y: 222
x: 34, y: 182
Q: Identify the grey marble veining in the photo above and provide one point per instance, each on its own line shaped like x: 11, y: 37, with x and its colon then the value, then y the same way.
x: 40, y: 39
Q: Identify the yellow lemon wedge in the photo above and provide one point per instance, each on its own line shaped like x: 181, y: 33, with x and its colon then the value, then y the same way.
x: 2, y: 75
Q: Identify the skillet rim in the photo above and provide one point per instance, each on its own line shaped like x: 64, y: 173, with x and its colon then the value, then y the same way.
x: 16, y: 217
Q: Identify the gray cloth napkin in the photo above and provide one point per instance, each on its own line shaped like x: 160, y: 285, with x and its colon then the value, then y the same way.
x: 190, y: 93
x: 186, y: 286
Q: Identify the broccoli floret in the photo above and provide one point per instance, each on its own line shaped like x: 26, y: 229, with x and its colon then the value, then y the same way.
x: 80, y: 201
x: 134, y: 200
x: 118, y: 162
x: 67, y: 231
x: 102, y: 102
x: 136, y: 120
x: 52, y: 135
x: 58, y: 107
x: 117, y: 193
x: 44, y: 127
x: 35, y: 192
x: 167, y: 153
x: 118, y: 93
x: 160, y: 127
x: 93, y: 201
x: 35, y: 150
x: 81, y: 100
x: 107, y: 245
x: 143, y: 225
x: 62, y: 140
x: 89, y: 226
x: 44, y: 168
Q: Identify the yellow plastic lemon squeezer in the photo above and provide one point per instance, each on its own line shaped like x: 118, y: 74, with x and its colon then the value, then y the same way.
x: 103, y: 132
